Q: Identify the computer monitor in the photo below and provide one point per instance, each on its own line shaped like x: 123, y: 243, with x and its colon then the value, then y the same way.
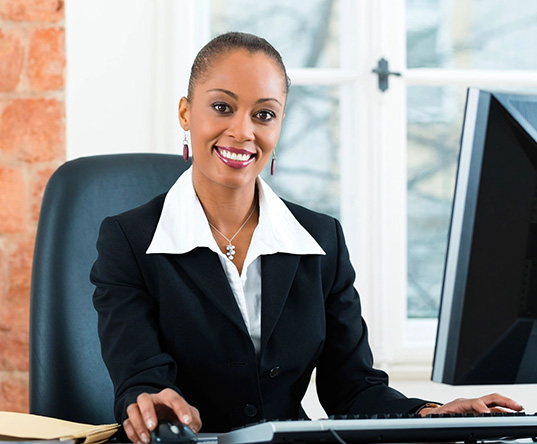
x: 487, y: 327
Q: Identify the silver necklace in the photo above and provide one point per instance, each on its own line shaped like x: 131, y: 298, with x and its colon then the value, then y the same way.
x: 230, y: 247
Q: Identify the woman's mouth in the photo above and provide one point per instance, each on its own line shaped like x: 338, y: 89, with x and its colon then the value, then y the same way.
x: 234, y: 157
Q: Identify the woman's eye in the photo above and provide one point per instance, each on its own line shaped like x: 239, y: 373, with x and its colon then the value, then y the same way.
x: 221, y: 108
x: 265, y: 115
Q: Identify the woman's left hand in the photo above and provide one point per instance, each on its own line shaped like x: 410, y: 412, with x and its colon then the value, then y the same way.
x: 484, y: 404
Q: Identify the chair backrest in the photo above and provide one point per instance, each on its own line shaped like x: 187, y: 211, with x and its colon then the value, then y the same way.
x: 68, y: 378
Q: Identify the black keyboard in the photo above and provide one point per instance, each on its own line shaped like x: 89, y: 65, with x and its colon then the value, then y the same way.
x: 393, y: 428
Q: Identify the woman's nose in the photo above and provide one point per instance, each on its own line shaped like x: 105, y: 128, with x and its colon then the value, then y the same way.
x: 242, y: 128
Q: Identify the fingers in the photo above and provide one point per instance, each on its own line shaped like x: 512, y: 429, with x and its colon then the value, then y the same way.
x: 494, y: 403
x: 135, y: 427
x: 143, y: 415
x: 477, y: 406
x: 485, y: 404
x: 497, y: 400
x: 147, y: 411
x: 183, y: 411
x: 130, y: 432
x: 196, y: 420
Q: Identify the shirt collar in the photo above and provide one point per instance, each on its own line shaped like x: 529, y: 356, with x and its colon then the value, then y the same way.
x: 183, y: 225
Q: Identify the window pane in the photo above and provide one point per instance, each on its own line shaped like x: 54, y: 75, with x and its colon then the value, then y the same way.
x: 305, y: 32
x: 435, y: 117
x: 472, y: 34
x: 307, y: 155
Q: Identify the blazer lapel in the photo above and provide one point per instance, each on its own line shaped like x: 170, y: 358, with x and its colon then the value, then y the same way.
x: 277, y: 275
x: 196, y: 263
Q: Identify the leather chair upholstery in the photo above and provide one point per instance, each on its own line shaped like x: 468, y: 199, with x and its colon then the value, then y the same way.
x: 68, y: 378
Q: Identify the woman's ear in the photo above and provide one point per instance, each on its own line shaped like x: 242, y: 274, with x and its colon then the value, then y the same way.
x: 184, y: 113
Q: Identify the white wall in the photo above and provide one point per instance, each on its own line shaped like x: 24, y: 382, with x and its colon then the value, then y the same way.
x: 127, y: 67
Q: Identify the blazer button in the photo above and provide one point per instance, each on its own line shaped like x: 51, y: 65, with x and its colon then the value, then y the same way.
x: 250, y: 410
x: 274, y: 372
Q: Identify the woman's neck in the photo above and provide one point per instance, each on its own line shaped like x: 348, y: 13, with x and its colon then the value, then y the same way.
x: 233, y: 216
x: 227, y: 208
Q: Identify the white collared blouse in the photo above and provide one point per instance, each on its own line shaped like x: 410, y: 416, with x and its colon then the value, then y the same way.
x: 183, y: 226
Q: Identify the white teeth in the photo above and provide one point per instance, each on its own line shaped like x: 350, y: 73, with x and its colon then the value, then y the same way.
x: 234, y: 156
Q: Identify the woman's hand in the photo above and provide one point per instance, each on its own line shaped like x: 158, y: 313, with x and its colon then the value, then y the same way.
x: 149, y: 408
x: 485, y: 404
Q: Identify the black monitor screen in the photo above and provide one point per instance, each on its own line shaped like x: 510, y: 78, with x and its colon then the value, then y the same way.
x: 487, y: 328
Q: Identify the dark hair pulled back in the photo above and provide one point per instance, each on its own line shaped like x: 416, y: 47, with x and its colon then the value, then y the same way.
x: 228, y: 42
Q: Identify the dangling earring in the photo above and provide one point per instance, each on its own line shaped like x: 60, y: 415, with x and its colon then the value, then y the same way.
x: 185, y: 148
x: 273, y: 163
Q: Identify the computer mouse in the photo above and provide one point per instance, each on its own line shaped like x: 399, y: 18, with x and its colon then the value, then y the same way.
x: 172, y: 432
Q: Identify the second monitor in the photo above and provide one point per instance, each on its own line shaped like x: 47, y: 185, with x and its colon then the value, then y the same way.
x: 487, y: 328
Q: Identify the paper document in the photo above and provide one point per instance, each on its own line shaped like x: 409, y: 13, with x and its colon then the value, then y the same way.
x: 23, y: 426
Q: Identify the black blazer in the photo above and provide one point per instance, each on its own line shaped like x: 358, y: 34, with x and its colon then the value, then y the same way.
x: 172, y: 321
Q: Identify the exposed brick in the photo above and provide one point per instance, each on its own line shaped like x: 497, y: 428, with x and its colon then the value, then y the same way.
x: 46, y: 59
x: 32, y: 10
x: 14, y: 336
x: 12, y: 200
x: 40, y: 181
x: 15, y: 350
x: 15, y: 307
x: 32, y: 141
x: 14, y: 392
x: 11, y: 59
x: 33, y: 130
x: 20, y: 271
x: 3, y: 275
x: 14, y: 317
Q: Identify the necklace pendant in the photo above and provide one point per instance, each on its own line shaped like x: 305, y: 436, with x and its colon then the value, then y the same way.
x: 230, y: 251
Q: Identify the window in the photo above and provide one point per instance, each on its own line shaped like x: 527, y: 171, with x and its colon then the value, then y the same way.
x: 482, y: 43
x: 384, y: 163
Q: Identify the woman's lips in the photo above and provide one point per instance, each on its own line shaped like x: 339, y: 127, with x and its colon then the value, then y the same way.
x: 234, y: 157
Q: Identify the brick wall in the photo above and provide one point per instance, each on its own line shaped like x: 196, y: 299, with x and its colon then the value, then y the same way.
x: 32, y: 146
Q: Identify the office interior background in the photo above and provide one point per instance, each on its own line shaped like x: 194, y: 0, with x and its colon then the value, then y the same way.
x: 85, y: 78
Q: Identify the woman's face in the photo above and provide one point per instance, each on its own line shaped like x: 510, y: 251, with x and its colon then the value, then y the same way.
x: 234, y: 116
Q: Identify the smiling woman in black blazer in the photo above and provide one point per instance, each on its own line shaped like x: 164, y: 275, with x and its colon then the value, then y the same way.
x: 217, y: 300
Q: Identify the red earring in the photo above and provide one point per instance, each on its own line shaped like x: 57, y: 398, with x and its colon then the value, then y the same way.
x: 185, y: 149
x: 273, y: 164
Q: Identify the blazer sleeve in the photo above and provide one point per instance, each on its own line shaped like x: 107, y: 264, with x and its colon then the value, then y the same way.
x: 127, y: 323
x: 346, y: 379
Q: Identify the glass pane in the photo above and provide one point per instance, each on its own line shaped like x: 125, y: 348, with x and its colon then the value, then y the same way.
x: 435, y: 116
x: 305, y: 32
x: 307, y: 155
x: 472, y: 34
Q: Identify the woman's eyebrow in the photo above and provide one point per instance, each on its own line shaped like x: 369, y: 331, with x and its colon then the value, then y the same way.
x: 269, y: 99
x: 235, y: 96
x: 225, y: 91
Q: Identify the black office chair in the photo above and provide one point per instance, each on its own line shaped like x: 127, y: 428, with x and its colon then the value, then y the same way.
x: 68, y: 378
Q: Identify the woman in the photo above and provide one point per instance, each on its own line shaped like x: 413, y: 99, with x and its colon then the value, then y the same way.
x: 217, y: 300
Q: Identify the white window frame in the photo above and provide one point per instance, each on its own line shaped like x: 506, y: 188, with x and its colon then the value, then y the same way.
x: 402, y: 346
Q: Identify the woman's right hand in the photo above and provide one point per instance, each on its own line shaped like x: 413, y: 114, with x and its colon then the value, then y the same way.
x: 143, y: 416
